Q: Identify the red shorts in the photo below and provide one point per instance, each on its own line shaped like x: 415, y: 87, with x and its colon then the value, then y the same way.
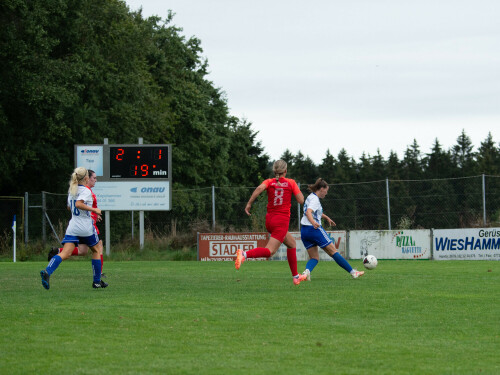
x: 277, y: 225
x: 96, y: 229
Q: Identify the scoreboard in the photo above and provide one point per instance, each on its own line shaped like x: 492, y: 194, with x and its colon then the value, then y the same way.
x: 130, y: 176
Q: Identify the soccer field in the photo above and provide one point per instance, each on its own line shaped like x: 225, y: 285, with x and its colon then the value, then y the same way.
x: 404, y: 317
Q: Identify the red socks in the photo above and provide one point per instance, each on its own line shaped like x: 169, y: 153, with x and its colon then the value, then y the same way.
x: 259, y: 252
x: 75, y: 251
x: 291, y: 256
x: 102, y: 261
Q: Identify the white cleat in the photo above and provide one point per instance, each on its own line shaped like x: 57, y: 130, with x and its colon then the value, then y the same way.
x: 308, y: 274
x: 355, y: 274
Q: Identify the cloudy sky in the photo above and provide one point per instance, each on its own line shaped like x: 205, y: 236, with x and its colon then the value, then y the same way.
x: 364, y: 75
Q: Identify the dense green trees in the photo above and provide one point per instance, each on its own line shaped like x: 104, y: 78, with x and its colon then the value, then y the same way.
x: 79, y: 71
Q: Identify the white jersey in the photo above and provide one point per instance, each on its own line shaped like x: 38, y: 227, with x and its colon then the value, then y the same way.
x: 81, y: 223
x: 312, y: 202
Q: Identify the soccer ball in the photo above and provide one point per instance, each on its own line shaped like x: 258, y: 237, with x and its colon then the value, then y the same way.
x: 370, y: 262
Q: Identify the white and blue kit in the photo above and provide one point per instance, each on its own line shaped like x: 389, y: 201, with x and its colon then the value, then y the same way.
x: 80, y: 228
x: 310, y: 236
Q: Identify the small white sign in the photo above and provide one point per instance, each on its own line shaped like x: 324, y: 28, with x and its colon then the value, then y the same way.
x: 90, y: 157
x: 133, y: 195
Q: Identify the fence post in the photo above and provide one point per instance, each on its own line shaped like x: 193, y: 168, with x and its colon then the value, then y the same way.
x: 25, y: 224
x: 213, y: 208
x: 484, y: 201
x: 44, y: 209
x: 388, y: 203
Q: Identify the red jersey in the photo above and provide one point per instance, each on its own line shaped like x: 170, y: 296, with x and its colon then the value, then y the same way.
x: 279, y: 195
x: 93, y: 215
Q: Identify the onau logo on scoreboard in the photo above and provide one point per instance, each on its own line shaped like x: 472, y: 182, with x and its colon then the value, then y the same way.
x: 226, y: 248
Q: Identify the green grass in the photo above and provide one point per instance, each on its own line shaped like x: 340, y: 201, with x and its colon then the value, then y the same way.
x: 405, y: 317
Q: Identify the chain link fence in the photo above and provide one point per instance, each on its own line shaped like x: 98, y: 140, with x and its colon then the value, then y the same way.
x: 377, y: 205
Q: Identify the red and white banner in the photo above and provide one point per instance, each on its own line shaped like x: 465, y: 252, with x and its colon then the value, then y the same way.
x: 223, y: 246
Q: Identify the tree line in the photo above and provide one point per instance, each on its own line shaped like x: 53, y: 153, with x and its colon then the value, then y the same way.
x: 461, y: 160
x: 78, y: 71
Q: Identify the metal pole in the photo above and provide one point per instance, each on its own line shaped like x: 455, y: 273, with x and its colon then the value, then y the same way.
x: 213, y: 208
x: 107, y: 225
x: 44, y: 208
x: 388, y: 203
x: 132, y: 224
x: 26, y: 205
x: 141, y: 229
x: 141, y: 214
x: 484, y: 201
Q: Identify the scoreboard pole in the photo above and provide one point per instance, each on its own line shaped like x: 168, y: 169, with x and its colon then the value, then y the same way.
x: 107, y: 223
x: 141, y: 220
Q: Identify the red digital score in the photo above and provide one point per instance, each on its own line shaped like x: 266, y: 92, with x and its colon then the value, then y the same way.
x: 139, y: 162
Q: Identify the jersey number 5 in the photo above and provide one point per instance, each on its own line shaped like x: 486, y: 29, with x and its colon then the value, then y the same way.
x: 278, y: 196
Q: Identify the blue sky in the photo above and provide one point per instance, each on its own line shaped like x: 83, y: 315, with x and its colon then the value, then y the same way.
x: 360, y: 75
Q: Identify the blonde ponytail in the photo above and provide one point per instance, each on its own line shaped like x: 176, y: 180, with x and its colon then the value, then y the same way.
x: 77, y: 178
x: 279, y: 168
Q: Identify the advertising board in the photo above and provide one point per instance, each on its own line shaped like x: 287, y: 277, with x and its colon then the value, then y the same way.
x: 223, y: 246
x: 390, y: 244
x: 467, y: 244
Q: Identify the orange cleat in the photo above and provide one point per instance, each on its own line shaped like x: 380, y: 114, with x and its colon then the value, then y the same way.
x: 240, y: 258
x: 298, y: 279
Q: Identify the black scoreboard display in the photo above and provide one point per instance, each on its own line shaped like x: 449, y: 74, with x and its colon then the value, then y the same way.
x: 142, y: 162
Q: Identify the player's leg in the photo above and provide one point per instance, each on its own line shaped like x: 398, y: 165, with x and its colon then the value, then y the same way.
x: 341, y: 261
x: 57, y: 259
x: 291, y: 256
x: 312, y: 262
x: 278, y: 228
x: 95, y: 246
x: 58, y: 250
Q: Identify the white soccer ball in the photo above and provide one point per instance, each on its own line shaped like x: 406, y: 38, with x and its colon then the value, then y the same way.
x: 370, y: 262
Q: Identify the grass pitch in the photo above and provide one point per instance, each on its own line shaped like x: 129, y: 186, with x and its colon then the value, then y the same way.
x: 404, y: 317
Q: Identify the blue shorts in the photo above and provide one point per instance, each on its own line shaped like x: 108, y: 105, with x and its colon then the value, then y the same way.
x: 314, y: 237
x: 89, y: 241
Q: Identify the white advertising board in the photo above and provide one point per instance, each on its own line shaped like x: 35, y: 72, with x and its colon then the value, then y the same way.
x: 338, y: 238
x: 467, y: 244
x: 390, y: 244
x: 90, y: 157
x: 133, y: 195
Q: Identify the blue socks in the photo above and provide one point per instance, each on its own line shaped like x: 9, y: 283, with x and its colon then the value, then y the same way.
x: 342, y: 262
x: 311, y: 264
x: 53, y: 264
x: 96, y: 270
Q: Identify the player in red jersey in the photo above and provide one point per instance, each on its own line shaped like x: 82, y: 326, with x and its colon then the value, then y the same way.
x: 82, y: 249
x: 279, y: 200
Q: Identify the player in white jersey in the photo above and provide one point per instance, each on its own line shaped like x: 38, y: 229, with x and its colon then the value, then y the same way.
x: 313, y: 235
x: 80, y: 229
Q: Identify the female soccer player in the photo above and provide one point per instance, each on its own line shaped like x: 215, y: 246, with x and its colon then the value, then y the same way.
x: 83, y: 249
x: 80, y: 229
x: 313, y: 234
x: 279, y: 200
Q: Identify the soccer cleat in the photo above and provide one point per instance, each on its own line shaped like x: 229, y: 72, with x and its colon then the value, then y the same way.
x: 240, y: 258
x: 45, y: 279
x: 53, y: 252
x: 101, y: 284
x: 297, y: 280
x: 308, y: 274
x: 355, y: 274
